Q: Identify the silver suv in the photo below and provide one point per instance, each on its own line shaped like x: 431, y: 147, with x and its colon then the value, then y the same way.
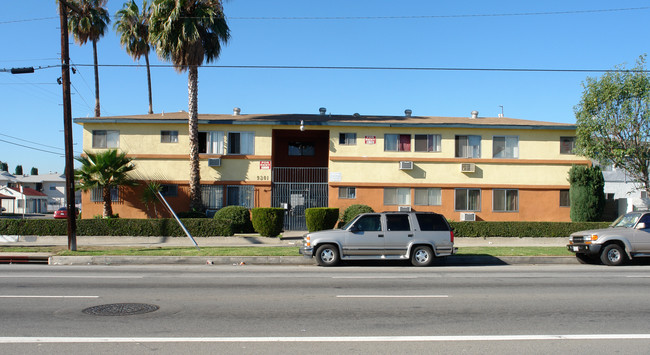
x: 418, y: 236
x: 627, y: 237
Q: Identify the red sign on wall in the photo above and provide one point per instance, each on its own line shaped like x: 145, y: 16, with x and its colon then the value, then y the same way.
x: 265, y: 165
x: 371, y: 140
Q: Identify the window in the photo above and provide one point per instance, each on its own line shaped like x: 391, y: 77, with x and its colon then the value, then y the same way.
x: 97, y: 196
x: 427, y: 142
x: 348, y: 192
x: 468, y: 199
x: 368, y: 223
x: 397, y: 142
x: 468, y: 146
x: 106, y: 139
x: 301, y: 149
x: 212, y: 196
x: 168, y: 136
x: 240, y: 196
x: 567, y: 145
x: 211, y: 142
x: 52, y: 187
x: 565, y: 200
x: 431, y: 222
x: 347, y: 138
x: 397, y: 222
x: 505, y: 147
x: 397, y: 196
x: 505, y: 200
x: 428, y: 196
x: 169, y: 190
x: 241, y: 142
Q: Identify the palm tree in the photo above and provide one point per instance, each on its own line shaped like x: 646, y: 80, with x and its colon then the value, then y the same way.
x: 186, y: 32
x: 89, y: 23
x: 105, y: 170
x: 133, y: 27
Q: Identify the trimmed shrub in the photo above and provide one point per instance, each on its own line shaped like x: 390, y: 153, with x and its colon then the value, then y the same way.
x: 353, y: 211
x: 268, y: 222
x: 521, y: 229
x: 321, y: 218
x: 586, y: 193
x: 239, y: 218
x: 191, y: 214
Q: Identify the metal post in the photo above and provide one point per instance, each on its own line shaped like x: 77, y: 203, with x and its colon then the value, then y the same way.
x: 67, y: 127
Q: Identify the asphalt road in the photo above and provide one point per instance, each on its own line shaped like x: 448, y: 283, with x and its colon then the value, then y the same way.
x: 306, y: 309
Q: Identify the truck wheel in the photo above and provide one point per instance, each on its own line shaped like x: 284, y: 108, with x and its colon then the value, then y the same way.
x: 612, y: 255
x: 327, y: 255
x: 422, y: 256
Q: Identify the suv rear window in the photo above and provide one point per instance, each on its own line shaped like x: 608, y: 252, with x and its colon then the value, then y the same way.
x: 398, y: 222
x: 432, y: 222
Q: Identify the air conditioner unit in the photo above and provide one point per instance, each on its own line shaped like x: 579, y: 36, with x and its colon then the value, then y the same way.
x: 404, y: 208
x: 406, y: 165
x: 467, y: 167
x: 468, y: 217
x: 214, y: 162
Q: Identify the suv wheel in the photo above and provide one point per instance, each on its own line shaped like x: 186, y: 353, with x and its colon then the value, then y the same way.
x: 612, y: 255
x: 422, y: 256
x: 327, y: 255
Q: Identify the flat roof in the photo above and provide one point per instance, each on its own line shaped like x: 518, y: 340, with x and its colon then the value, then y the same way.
x: 334, y: 120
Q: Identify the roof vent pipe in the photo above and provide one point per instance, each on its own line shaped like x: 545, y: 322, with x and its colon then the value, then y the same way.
x: 408, y: 112
x: 474, y: 114
x: 236, y: 111
x: 322, y: 110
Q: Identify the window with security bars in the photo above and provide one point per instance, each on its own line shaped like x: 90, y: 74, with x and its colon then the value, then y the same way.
x: 212, y: 196
x: 97, y: 196
x: 240, y: 196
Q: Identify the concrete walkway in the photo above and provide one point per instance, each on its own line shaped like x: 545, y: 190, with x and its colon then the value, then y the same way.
x: 288, y: 239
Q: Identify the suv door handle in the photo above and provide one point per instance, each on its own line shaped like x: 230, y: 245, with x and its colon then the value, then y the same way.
x: 380, y: 235
x: 410, y: 235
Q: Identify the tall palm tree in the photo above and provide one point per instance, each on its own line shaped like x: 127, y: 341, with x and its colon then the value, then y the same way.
x: 133, y: 27
x: 186, y: 32
x: 105, y: 170
x: 89, y: 24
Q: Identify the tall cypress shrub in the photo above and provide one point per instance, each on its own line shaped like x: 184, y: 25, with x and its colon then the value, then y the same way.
x: 586, y: 193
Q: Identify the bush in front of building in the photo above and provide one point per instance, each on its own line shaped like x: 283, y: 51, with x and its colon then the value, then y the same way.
x: 268, y: 221
x: 353, y: 211
x: 321, y: 218
x: 586, y: 193
x: 238, y: 216
x: 522, y: 229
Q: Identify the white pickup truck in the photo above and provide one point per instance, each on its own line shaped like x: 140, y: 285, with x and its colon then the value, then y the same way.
x: 416, y: 236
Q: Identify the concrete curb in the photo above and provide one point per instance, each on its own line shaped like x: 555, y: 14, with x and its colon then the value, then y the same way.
x: 457, y: 260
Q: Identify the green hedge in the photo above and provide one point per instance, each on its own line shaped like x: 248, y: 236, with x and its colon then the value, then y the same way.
x: 522, y: 229
x: 268, y: 222
x: 353, y: 211
x: 321, y: 218
x: 239, y: 218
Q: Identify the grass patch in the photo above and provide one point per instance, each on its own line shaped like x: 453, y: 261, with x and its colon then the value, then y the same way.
x: 261, y: 251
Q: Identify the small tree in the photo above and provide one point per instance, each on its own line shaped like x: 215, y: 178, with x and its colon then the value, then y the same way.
x: 19, y: 170
x: 5, y: 167
x: 613, y: 121
x: 586, y: 193
x: 34, y: 171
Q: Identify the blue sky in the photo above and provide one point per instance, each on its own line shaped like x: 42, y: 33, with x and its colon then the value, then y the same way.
x: 426, y: 34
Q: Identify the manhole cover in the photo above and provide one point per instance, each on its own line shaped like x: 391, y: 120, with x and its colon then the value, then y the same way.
x: 120, y: 309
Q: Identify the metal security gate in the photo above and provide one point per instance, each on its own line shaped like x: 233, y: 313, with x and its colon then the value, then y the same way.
x: 295, y: 190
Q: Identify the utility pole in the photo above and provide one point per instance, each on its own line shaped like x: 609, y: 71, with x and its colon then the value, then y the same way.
x: 67, y: 127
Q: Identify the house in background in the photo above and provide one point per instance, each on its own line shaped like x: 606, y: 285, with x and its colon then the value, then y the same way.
x: 7, y: 179
x: 622, y: 193
x: 467, y: 168
x: 23, y: 200
x: 52, y: 185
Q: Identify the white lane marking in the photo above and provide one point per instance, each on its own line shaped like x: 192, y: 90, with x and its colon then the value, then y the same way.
x: 375, y: 277
x: 342, y: 339
x: 43, y: 296
x: 392, y: 296
x: 68, y: 277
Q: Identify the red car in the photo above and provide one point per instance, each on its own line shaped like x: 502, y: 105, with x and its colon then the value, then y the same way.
x: 62, y: 213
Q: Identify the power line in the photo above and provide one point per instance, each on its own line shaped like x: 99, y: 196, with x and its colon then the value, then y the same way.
x: 406, y: 17
x: 28, y: 147
x: 25, y: 140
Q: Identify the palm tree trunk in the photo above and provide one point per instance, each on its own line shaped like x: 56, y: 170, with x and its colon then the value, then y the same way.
x: 108, y: 208
x: 146, y: 58
x: 97, y: 111
x: 193, y: 121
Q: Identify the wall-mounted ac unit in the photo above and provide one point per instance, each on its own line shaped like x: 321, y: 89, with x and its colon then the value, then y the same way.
x: 404, y: 208
x: 405, y: 165
x: 467, y: 167
x: 214, y: 162
x: 467, y: 217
